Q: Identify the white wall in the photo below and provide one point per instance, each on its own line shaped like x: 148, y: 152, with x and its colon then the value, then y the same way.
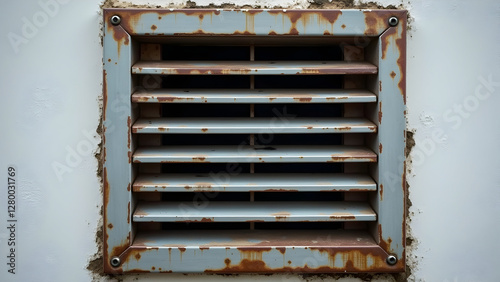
x: 50, y: 87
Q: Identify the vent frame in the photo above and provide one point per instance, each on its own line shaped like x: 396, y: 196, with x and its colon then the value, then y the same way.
x: 388, y: 54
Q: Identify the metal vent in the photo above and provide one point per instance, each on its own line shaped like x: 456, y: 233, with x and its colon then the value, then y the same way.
x: 254, y: 140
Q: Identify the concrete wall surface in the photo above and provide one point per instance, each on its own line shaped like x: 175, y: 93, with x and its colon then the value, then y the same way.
x: 51, y: 91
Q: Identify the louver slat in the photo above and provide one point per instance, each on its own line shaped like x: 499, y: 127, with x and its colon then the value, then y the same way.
x: 253, y: 154
x: 254, y: 212
x: 253, y: 125
x: 252, y: 67
x: 249, y: 182
x: 245, y: 96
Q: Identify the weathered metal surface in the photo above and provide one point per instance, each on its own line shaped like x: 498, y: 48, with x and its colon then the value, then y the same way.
x: 246, y: 182
x: 273, y: 22
x: 295, y: 254
x: 253, y: 154
x: 235, y: 125
x: 263, y: 251
x: 254, y: 212
x: 389, y: 115
x: 252, y: 68
x: 247, y: 96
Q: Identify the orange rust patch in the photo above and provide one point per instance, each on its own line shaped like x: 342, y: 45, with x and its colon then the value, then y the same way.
x: 138, y: 257
x: 272, y: 32
x: 110, y: 226
x: 393, y: 74
x: 380, y: 113
x: 182, y: 250
x: 380, y: 85
x: 342, y: 26
x: 129, y: 126
x: 380, y: 147
x: 199, y: 159
x: 154, y: 27
x: 161, y: 129
x: 128, y: 213
x: 326, y: 32
x: 303, y: 99
x: 281, y: 249
x: 204, y: 129
x: 381, y: 191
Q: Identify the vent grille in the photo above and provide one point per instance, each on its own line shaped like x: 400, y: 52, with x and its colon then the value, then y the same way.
x: 254, y: 141
x: 277, y: 138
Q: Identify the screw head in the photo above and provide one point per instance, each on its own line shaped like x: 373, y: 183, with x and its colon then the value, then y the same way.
x: 115, y: 20
x: 393, y: 21
x: 115, y: 261
x: 391, y: 260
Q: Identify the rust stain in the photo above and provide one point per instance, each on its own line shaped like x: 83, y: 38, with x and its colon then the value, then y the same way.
x: 162, y: 129
x: 182, y: 250
x: 281, y: 216
x: 326, y: 32
x: 385, y: 244
x: 128, y: 187
x: 380, y: 148
x: 129, y: 136
x: 110, y: 226
x: 381, y: 191
x: 128, y: 213
x: 293, y: 31
x: 343, y: 26
x: 154, y: 27
x: 138, y: 257
x: 393, y: 74
x: 199, y: 159
x: 309, y: 127
x: 129, y: 154
x: 281, y: 190
x: 281, y: 249
x: 272, y: 33
x: 204, y: 129
x: 342, y: 216
x: 303, y: 99
x: 104, y: 95
x: 380, y: 113
x: 380, y: 85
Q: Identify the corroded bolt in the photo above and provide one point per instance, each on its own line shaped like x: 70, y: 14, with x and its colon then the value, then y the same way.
x: 393, y: 21
x: 115, y: 20
x: 391, y: 260
x: 115, y: 261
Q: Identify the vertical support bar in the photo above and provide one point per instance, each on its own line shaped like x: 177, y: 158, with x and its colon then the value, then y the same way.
x: 252, y: 136
x: 354, y: 53
x: 389, y: 202
x: 150, y: 52
x: 117, y: 172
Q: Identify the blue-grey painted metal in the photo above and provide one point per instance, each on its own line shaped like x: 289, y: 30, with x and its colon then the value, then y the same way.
x: 253, y: 154
x: 263, y: 211
x: 248, y: 96
x: 390, y: 175
x: 249, y: 125
x: 117, y: 172
x: 253, y: 182
x: 186, y: 251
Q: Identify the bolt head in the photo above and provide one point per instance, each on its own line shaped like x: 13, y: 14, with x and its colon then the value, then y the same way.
x: 391, y: 260
x: 115, y: 20
x: 393, y: 21
x: 115, y: 261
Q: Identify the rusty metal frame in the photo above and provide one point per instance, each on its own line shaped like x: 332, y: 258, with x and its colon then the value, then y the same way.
x: 389, y: 49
